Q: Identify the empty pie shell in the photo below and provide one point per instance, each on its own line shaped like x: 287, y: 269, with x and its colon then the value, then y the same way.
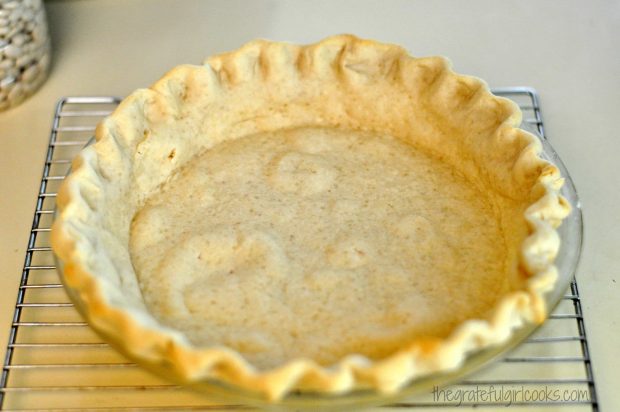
x: 333, y: 102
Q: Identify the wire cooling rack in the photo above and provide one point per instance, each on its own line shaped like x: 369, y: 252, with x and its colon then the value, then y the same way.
x: 54, y: 362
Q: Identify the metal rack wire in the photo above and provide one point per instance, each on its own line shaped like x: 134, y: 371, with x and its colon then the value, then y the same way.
x: 54, y: 362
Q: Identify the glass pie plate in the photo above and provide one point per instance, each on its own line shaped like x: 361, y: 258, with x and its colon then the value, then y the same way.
x: 571, y: 235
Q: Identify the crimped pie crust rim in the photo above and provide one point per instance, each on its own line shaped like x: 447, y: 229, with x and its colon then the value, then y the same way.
x: 143, y: 339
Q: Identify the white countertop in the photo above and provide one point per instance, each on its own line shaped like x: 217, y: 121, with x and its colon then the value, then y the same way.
x: 567, y: 50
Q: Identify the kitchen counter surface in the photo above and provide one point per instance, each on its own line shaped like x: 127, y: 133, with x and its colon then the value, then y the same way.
x: 567, y: 50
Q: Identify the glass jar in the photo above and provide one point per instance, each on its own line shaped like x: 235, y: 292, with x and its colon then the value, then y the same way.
x: 24, y: 50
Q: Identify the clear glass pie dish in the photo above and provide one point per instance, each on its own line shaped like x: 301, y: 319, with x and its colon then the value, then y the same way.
x: 571, y: 239
x: 302, y: 221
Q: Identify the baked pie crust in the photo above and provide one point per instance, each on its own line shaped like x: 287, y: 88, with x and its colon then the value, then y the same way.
x: 326, y: 218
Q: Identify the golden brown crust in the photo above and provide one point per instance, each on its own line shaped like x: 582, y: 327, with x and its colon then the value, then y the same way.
x: 341, y: 81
